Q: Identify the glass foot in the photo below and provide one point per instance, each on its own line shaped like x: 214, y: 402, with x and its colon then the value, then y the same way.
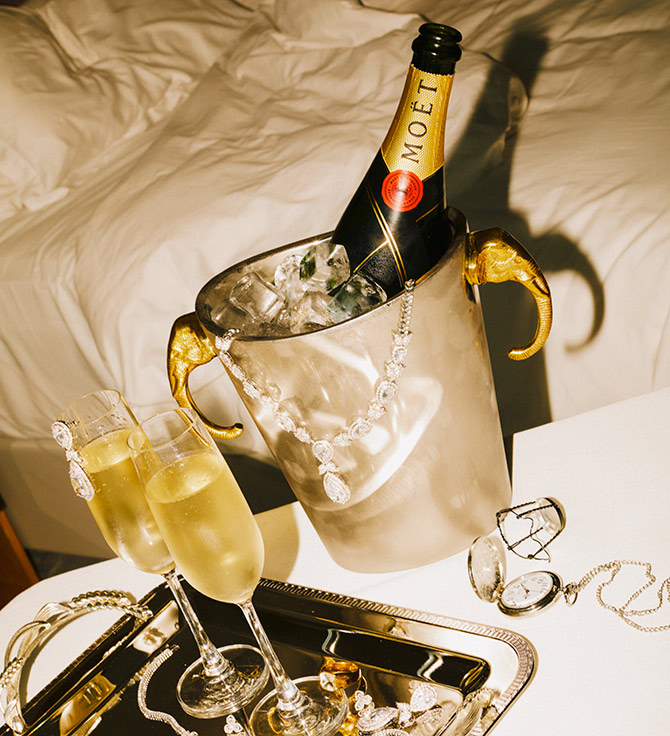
x: 204, y: 696
x: 322, y: 712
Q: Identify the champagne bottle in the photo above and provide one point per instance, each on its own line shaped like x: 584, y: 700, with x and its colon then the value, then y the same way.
x: 394, y: 228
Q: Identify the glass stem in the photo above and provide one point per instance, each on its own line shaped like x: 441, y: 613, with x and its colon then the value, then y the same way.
x: 288, y: 696
x: 213, y: 661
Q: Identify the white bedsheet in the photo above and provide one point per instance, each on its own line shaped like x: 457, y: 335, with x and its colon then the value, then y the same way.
x: 265, y: 151
x: 268, y: 138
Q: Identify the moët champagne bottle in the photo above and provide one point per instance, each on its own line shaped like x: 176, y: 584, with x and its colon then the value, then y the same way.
x: 394, y: 228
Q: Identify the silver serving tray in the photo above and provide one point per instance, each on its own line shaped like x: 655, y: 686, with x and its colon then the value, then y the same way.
x: 394, y: 647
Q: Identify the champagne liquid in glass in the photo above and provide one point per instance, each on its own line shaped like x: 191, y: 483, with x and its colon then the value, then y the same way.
x: 204, y: 516
x: 98, y: 427
x: 213, y: 536
x: 119, y: 506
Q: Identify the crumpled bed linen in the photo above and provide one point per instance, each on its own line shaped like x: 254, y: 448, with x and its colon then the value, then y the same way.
x: 265, y: 151
x: 557, y: 131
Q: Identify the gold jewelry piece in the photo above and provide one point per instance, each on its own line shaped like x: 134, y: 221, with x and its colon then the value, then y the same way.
x: 338, y: 673
x: 624, y: 612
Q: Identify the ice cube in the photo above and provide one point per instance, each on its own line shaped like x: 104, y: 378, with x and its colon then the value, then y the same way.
x: 294, y: 288
x: 287, y: 269
x: 325, y: 264
x: 230, y: 317
x: 354, y: 297
x: 259, y: 299
x: 311, y: 312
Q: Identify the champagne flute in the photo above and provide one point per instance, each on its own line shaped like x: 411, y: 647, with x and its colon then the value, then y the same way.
x: 213, y: 536
x: 94, y: 430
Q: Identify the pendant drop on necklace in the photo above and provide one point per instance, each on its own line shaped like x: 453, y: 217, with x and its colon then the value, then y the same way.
x: 335, y: 487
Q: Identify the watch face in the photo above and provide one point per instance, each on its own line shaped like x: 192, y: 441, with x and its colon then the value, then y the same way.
x: 530, y: 592
x: 485, y: 568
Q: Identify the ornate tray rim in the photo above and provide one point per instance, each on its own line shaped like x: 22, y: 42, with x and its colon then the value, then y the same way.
x: 522, y: 647
x: 126, y: 627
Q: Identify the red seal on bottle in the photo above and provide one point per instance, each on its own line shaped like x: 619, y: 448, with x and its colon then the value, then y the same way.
x: 402, y: 190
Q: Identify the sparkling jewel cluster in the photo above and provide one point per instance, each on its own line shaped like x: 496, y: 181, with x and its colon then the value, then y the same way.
x: 81, y: 483
x: 323, y: 449
x: 157, y: 715
x: 388, y: 721
x: 232, y: 726
x: 423, y: 708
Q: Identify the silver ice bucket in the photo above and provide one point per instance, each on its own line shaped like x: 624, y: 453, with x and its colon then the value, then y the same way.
x: 391, y: 442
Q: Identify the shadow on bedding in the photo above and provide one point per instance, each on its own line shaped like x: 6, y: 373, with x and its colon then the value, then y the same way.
x: 509, y: 313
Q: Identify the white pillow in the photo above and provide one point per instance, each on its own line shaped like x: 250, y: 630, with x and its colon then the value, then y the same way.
x: 80, y: 75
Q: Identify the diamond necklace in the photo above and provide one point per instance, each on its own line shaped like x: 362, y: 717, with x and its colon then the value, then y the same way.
x: 323, y: 448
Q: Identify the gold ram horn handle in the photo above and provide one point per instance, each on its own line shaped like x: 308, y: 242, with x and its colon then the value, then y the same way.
x: 495, y: 256
x: 188, y: 348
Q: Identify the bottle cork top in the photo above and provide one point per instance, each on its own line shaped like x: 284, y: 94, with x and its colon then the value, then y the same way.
x: 436, y: 48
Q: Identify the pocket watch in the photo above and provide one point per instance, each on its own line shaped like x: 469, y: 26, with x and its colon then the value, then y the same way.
x: 536, y: 590
x: 527, y: 593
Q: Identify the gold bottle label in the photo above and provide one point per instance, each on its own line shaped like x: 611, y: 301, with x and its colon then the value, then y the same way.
x: 415, y: 140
